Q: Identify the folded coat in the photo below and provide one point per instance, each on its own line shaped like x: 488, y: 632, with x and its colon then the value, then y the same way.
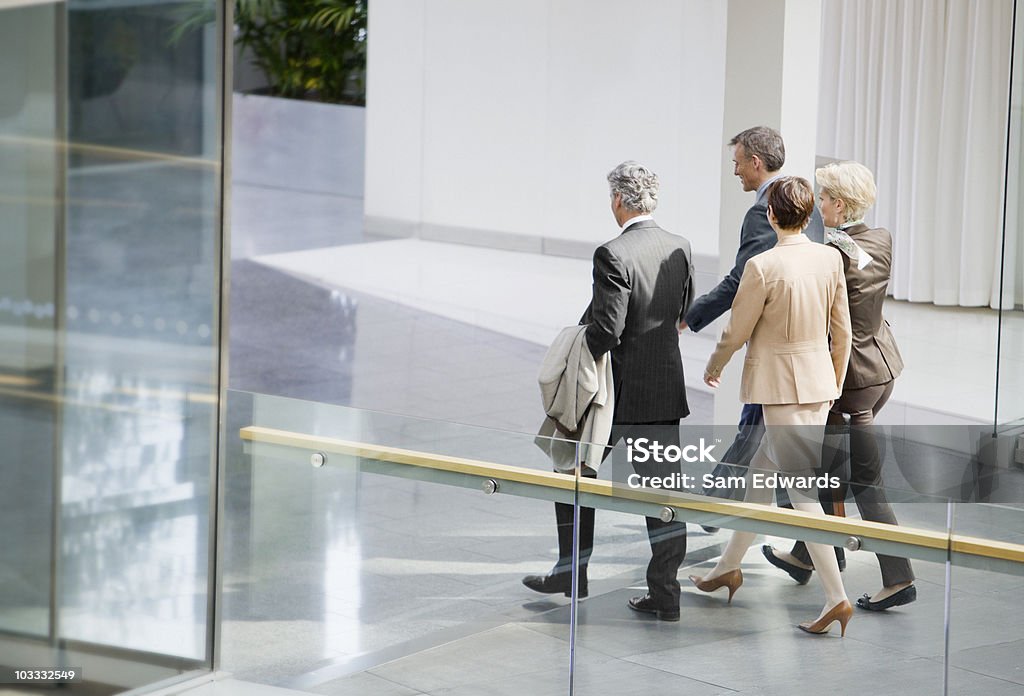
x: 578, y: 397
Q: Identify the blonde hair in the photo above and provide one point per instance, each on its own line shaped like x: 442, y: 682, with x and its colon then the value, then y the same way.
x: 850, y: 182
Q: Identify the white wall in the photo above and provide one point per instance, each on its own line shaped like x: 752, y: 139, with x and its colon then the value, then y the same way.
x: 266, y: 142
x: 505, y: 117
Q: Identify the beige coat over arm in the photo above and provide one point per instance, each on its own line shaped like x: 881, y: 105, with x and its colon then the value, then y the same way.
x: 789, y: 300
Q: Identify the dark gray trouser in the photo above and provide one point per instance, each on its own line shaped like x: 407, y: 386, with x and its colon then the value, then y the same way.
x: 865, y: 470
x: 668, y: 539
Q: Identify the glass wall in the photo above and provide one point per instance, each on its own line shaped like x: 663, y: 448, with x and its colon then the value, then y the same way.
x: 110, y: 206
x: 31, y: 181
x: 1010, y: 386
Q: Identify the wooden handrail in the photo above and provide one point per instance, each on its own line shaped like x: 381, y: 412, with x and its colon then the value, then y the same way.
x: 970, y: 546
x: 396, y: 455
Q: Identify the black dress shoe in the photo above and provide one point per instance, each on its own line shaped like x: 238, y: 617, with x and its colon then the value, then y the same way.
x: 801, y: 575
x: 645, y: 604
x: 559, y: 582
x: 904, y: 596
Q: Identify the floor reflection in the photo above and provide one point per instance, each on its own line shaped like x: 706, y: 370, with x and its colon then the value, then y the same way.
x: 135, y: 501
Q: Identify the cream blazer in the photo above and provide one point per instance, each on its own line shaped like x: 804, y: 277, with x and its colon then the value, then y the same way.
x: 791, y: 298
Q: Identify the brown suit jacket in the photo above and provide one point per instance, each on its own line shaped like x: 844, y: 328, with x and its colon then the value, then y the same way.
x: 874, y: 359
x: 790, y: 299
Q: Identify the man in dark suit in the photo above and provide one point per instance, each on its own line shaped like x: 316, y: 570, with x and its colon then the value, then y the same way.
x: 758, y: 155
x: 643, y: 284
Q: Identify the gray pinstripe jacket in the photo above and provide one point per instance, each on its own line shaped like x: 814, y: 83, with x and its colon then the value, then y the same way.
x: 643, y: 285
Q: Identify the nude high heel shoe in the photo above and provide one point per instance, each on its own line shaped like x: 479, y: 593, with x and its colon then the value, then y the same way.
x: 840, y: 612
x: 733, y: 579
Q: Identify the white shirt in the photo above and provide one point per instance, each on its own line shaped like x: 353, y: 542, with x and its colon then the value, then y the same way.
x: 634, y: 220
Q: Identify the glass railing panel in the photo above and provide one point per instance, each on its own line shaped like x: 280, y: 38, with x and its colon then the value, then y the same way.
x: 986, y: 621
x: 699, y: 652
x: 373, y: 573
x: 362, y: 570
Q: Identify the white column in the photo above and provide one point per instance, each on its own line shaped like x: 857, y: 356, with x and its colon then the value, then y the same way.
x: 771, y: 69
x: 395, y: 69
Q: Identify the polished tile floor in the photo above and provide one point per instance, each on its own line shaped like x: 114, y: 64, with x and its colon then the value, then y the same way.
x: 530, y: 297
x: 352, y: 583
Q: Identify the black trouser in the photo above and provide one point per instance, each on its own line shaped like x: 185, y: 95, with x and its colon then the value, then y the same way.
x: 865, y: 474
x: 668, y: 539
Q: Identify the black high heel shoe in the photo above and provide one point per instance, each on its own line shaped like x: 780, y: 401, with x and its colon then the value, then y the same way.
x: 801, y: 575
x: 559, y: 582
x: 897, y: 599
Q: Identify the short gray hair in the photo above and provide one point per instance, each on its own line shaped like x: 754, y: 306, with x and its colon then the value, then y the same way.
x: 764, y: 142
x: 636, y: 184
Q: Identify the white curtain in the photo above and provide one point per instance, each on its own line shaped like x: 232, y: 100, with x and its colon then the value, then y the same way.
x: 918, y: 91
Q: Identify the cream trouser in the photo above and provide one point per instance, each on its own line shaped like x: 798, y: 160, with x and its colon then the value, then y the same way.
x: 791, y: 446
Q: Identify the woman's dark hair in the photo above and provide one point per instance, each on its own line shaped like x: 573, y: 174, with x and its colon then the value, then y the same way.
x: 791, y: 199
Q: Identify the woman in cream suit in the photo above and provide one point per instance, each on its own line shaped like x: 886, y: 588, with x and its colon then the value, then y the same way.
x: 847, y: 192
x: 790, y: 300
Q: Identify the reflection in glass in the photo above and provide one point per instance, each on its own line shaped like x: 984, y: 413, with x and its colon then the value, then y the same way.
x: 140, y: 358
x: 109, y: 197
x: 31, y: 173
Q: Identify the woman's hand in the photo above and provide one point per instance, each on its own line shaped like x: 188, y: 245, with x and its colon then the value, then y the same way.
x: 712, y: 382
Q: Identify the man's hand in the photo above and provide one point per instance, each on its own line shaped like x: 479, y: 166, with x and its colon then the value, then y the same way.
x: 712, y: 382
x: 682, y: 325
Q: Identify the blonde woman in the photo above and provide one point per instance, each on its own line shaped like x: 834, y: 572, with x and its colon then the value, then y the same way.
x: 847, y: 192
x: 790, y: 300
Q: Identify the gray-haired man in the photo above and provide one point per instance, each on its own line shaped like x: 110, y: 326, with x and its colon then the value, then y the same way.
x: 643, y: 285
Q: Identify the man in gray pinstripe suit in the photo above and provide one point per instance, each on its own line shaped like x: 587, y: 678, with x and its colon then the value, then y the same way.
x: 643, y: 285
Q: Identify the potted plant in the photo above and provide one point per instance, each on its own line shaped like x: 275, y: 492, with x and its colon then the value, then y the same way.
x: 308, y: 49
